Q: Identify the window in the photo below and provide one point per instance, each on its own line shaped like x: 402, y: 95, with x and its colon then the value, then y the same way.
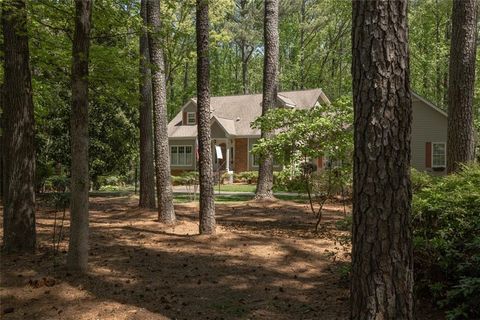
x: 439, y: 155
x: 191, y: 118
x: 181, y: 155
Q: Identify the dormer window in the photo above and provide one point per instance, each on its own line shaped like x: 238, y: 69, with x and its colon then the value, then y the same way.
x: 191, y: 118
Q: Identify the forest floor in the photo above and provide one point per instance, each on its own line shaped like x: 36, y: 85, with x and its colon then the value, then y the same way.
x: 265, y: 262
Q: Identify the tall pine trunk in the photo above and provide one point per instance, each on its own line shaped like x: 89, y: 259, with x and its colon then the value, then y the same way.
x: 147, y: 168
x: 166, y: 212
x: 19, y: 132
x: 205, y: 166
x: 461, y: 142
x: 382, y: 262
x: 77, y: 259
x: 270, y: 88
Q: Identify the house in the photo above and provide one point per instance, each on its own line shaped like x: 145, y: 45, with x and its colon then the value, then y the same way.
x: 233, y: 138
x: 429, y: 136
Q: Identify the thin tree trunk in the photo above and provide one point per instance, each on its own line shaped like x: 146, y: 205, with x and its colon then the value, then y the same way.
x: 186, y: 80
x: 270, y: 87
x: 19, y: 233
x: 302, y: 44
x: 147, y: 168
x: 205, y: 166
x: 461, y: 142
x: 382, y: 255
x: 166, y: 212
x: 77, y: 259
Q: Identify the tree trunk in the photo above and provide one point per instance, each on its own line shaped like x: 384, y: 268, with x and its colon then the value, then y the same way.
x: 18, y: 119
x: 147, y: 169
x: 302, y: 43
x: 270, y: 87
x: 77, y: 259
x: 207, y: 201
x: 382, y: 262
x: 166, y: 212
x: 460, y: 142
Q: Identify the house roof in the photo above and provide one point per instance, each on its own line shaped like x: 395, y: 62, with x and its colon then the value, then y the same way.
x: 428, y: 103
x: 236, y: 113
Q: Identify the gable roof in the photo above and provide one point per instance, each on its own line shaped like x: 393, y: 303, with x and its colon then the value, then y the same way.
x: 428, y: 103
x: 235, y: 113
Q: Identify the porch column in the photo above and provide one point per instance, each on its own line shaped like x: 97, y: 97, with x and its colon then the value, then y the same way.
x: 228, y: 155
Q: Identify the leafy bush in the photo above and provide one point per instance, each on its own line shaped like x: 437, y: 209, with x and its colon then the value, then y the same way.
x: 58, y: 183
x: 185, y: 178
x: 446, y: 220
x: 420, y: 180
x: 249, y: 177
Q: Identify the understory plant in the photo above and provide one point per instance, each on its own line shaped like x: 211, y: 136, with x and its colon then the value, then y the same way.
x: 303, y: 135
x: 446, y: 222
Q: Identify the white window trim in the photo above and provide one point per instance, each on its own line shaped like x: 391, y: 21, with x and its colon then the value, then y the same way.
x: 444, y: 154
x: 194, y: 118
x: 181, y: 165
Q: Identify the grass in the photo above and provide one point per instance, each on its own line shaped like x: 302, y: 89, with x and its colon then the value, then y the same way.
x: 236, y: 187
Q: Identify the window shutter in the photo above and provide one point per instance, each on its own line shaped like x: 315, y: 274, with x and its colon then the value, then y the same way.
x: 428, y: 155
x: 320, y: 163
x: 184, y: 117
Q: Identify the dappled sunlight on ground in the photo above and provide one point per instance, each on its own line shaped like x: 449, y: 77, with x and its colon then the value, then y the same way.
x: 265, y: 262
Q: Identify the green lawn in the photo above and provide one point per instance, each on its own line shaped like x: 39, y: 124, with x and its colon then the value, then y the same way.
x: 236, y: 187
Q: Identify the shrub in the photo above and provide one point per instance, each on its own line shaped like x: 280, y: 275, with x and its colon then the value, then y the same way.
x: 249, y: 177
x: 58, y: 183
x: 185, y: 178
x: 420, y: 180
x: 446, y: 220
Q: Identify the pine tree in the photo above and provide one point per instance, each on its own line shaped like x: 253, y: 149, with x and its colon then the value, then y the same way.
x: 147, y: 168
x: 270, y: 88
x: 461, y: 136
x: 207, y: 201
x: 77, y: 259
x: 382, y: 256
x: 166, y: 212
x: 18, y: 150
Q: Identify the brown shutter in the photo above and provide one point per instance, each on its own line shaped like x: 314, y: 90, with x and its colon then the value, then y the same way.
x: 320, y: 163
x: 428, y: 155
x: 184, y: 118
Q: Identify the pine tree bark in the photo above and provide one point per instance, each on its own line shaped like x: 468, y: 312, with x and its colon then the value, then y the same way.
x: 270, y: 88
x: 77, y: 259
x: 461, y: 137
x: 147, y: 168
x: 19, y: 132
x: 166, y: 212
x: 205, y: 164
x: 382, y: 263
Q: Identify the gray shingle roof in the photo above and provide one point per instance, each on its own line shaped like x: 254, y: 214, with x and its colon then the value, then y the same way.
x: 235, y: 113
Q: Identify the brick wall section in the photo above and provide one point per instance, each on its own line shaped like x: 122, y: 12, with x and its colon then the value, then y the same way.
x: 241, y: 155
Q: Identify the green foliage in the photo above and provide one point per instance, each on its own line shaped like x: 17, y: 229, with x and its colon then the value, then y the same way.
x: 321, y: 131
x: 249, y: 177
x: 290, y: 180
x: 420, y: 180
x: 186, y: 178
x: 446, y: 224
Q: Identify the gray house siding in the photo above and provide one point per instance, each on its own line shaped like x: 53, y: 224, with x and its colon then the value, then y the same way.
x: 429, y: 125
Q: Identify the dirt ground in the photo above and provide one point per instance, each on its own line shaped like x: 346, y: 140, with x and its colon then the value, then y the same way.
x: 265, y: 262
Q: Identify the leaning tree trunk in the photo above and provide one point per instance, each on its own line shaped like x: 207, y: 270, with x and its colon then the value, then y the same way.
x: 147, y: 168
x: 205, y: 166
x: 270, y: 87
x: 382, y: 263
x: 77, y: 259
x: 19, y: 200
x: 460, y: 142
x: 166, y: 212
